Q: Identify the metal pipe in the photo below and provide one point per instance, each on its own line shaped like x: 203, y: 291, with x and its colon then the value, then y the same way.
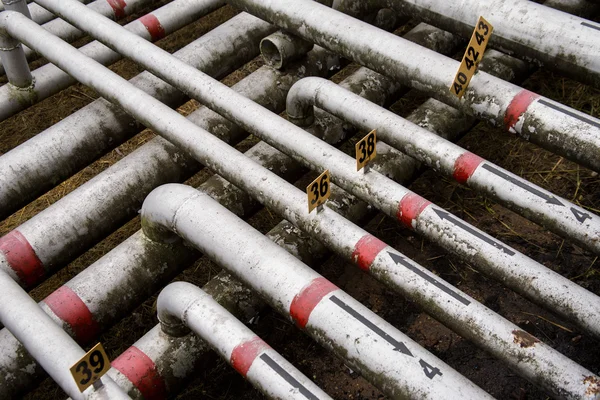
x: 384, y: 355
x: 562, y: 130
x: 269, y: 188
x: 182, y: 307
x: 498, y: 260
x: 280, y: 48
x: 12, y: 56
x: 539, y: 205
x: 46, y: 342
x: 18, y: 6
x: 49, y: 79
x: 581, y: 8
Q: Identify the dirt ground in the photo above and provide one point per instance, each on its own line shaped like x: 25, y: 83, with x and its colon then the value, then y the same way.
x: 562, y: 177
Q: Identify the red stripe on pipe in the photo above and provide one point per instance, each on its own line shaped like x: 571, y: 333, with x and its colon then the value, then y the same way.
x: 22, y: 258
x: 118, y: 7
x: 365, y: 251
x: 517, y: 107
x: 465, y: 166
x: 308, y: 298
x: 410, y: 207
x: 243, y: 355
x: 152, y: 24
x: 141, y: 371
x: 69, y: 307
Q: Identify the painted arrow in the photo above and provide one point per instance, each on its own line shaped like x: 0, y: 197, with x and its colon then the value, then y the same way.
x: 398, y: 259
x: 287, y: 377
x: 467, y: 228
x: 398, y: 346
x: 517, y: 182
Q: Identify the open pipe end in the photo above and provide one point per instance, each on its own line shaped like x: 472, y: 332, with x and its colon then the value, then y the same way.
x: 280, y: 48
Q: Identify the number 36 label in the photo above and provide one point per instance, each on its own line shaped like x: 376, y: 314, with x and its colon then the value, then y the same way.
x: 91, y: 367
x: 472, y: 57
x: 318, y: 191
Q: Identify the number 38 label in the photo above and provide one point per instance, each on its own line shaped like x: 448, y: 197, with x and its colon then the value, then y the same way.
x: 318, y: 191
x: 366, y: 149
x: 91, y: 367
x: 472, y: 57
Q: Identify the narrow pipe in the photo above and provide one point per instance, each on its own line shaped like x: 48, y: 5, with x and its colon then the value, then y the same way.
x: 522, y: 274
x: 539, y: 205
x: 384, y: 355
x: 280, y: 48
x: 182, y: 306
x: 49, y: 79
x: 12, y: 55
x: 570, y: 133
x: 52, y: 347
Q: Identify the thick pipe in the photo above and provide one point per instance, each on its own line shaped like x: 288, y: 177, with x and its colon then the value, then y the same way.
x: 384, y: 355
x: 49, y: 79
x: 18, y: 6
x: 182, y: 307
x: 581, y: 8
x: 522, y: 274
x: 539, y: 205
x: 69, y: 33
x: 52, y: 347
x: 55, y: 154
x: 280, y: 48
x: 12, y: 55
x: 562, y: 130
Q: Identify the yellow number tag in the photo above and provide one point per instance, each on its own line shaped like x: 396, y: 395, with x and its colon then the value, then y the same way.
x: 91, y: 367
x: 366, y: 149
x: 318, y: 191
x: 473, y: 55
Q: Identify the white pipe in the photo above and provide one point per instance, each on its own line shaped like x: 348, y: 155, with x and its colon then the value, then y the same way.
x: 519, y: 272
x: 184, y: 304
x: 52, y: 347
x: 384, y: 355
x: 12, y: 54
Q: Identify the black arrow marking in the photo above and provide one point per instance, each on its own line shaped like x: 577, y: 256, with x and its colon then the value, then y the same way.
x: 398, y: 346
x: 569, y: 113
x: 398, y: 259
x: 466, y: 227
x: 549, y: 198
x: 590, y: 26
x: 288, y: 378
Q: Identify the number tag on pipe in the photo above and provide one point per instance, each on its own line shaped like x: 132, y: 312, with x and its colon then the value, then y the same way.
x: 366, y: 149
x: 473, y: 55
x: 91, y: 367
x: 318, y: 191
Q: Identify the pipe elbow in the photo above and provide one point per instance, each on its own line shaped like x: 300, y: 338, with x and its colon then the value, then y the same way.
x: 160, y: 209
x: 301, y: 100
x: 173, y: 304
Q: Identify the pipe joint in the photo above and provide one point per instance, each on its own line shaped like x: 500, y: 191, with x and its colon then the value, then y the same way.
x: 173, y: 304
x: 301, y: 100
x: 280, y: 48
x: 159, y: 211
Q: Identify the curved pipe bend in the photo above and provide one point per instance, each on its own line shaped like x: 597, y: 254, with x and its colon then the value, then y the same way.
x: 173, y: 304
x: 301, y: 99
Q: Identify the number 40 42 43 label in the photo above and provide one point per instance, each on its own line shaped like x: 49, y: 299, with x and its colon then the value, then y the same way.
x: 91, y: 367
x: 473, y: 55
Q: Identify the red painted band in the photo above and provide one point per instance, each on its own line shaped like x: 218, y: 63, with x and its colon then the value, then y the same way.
x: 69, y: 307
x: 22, y: 258
x: 243, y: 355
x: 152, y: 24
x: 308, y: 298
x: 118, y: 7
x: 411, y: 206
x: 141, y: 371
x: 517, y: 107
x: 465, y: 166
x: 365, y: 251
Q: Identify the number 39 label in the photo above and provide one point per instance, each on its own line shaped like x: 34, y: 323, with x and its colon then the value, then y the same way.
x: 366, y: 149
x: 91, y: 367
x: 473, y: 55
x: 318, y: 191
